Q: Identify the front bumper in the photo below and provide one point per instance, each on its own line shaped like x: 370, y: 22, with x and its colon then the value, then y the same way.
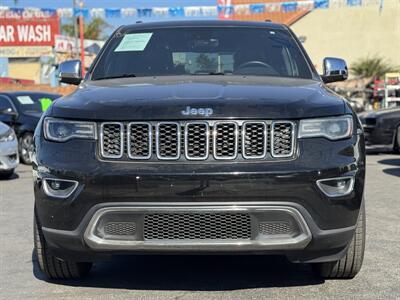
x: 306, y: 243
x: 326, y: 225
x: 198, y: 226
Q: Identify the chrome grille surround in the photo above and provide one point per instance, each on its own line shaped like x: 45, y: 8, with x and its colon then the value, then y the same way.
x: 134, y: 136
x: 192, y: 144
x: 282, y: 136
x: 247, y: 140
x: 225, y: 134
x: 163, y: 149
x: 108, y: 141
x: 199, y: 140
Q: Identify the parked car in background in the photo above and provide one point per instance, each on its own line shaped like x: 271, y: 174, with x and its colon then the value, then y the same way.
x: 382, y: 128
x: 8, y: 150
x: 22, y: 111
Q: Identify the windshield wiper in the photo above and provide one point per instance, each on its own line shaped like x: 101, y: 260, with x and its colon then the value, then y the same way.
x: 209, y: 73
x: 117, y: 76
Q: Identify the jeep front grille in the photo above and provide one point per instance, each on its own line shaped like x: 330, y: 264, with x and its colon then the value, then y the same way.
x: 198, y: 140
x: 168, y: 140
x: 254, y: 139
x: 225, y: 140
x: 139, y: 140
x: 112, y: 135
x: 282, y: 135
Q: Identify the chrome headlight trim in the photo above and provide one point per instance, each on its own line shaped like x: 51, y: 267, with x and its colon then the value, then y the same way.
x: 321, y: 126
x: 79, y: 133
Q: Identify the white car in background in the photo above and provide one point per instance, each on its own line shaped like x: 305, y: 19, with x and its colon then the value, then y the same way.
x: 8, y: 151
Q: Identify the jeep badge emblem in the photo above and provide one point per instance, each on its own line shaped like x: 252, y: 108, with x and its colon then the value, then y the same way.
x: 202, y: 111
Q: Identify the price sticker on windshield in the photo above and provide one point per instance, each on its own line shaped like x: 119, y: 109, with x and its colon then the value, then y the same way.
x: 134, y: 42
x: 25, y: 100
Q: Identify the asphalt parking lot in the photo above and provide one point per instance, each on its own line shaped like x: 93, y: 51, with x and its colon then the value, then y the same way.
x: 205, y: 277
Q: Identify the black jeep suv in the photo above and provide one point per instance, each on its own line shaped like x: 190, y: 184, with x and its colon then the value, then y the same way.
x: 200, y: 137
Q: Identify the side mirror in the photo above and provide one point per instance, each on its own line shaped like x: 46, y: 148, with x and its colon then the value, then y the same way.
x: 70, y: 72
x: 9, y: 112
x: 335, y: 69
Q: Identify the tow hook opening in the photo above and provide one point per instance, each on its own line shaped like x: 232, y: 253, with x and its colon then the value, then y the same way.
x: 336, y: 187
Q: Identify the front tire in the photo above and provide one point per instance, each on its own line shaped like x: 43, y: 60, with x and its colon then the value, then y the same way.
x: 397, y: 141
x: 6, y: 174
x: 51, y: 266
x: 351, y: 263
x: 25, y: 147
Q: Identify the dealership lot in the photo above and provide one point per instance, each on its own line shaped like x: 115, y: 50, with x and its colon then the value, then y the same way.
x: 204, y: 277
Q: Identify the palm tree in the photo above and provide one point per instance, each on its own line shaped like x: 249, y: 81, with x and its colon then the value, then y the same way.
x: 369, y: 67
x: 94, y: 30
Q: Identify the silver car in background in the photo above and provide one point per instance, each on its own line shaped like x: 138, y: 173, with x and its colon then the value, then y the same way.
x: 8, y: 151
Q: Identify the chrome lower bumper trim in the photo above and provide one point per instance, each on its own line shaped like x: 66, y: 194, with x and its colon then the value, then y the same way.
x: 257, y: 210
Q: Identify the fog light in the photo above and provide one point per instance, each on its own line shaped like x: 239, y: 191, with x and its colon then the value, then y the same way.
x: 55, y: 185
x: 59, y: 188
x: 336, y: 187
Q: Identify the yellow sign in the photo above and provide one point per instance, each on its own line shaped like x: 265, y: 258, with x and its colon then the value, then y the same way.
x: 25, y: 51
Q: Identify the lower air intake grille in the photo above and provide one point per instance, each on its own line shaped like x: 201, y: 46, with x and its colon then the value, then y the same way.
x: 272, y: 228
x: 120, y: 228
x: 200, y: 226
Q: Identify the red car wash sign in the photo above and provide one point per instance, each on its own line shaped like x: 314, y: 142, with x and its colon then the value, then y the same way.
x: 22, y: 31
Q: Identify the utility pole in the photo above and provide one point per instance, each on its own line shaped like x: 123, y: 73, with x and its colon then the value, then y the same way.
x: 82, y: 38
x: 75, y: 29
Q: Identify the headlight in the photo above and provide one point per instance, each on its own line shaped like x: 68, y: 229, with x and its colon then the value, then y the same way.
x: 63, y: 130
x: 8, y: 136
x: 331, y: 128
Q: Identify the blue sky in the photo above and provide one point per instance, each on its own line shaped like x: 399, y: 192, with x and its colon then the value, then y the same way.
x: 110, y: 4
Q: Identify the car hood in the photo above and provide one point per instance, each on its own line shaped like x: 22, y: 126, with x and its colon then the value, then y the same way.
x: 33, y: 114
x: 164, y: 98
x: 4, y: 128
x: 380, y: 113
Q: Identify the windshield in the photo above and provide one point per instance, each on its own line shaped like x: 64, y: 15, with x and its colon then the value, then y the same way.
x: 35, y: 102
x: 202, y: 51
